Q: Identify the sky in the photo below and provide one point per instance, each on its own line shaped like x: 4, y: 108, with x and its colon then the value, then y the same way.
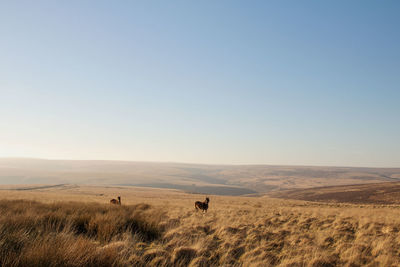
x: 215, y: 82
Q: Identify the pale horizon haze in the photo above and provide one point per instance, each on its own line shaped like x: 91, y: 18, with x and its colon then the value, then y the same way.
x: 211, y: 82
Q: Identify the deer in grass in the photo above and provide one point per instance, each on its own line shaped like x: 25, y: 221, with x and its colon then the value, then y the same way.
x: 116, y: 202
x: 202, y: 205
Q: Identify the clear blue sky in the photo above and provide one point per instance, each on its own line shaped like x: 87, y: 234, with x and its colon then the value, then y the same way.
x: 263, y: 82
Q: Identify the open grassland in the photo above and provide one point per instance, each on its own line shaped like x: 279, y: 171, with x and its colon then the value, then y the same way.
x: 77, y: 227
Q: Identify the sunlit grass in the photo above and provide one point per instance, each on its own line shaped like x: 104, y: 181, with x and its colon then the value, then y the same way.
x: 234, y: 232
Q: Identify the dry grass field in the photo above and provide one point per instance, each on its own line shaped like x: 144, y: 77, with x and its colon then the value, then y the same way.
x: 76, y: 226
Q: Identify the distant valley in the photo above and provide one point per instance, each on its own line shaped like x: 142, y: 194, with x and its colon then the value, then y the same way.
x: 194, y: 178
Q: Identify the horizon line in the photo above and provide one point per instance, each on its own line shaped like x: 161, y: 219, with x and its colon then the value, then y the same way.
x: 196, y: 163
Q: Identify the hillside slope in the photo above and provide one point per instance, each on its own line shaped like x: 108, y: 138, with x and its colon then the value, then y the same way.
x: 381, y: 193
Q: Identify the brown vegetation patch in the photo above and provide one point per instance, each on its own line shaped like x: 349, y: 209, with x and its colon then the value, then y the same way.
x: 382, y: 193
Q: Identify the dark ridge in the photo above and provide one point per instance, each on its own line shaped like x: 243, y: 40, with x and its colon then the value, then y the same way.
x: 380, y: 193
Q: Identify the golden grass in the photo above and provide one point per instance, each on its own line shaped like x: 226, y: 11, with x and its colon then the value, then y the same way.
x: 70, y: 233
x: 236, y: 231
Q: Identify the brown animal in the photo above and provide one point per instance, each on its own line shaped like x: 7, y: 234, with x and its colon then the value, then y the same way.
x: 116, y: 202
x: 202, y: 205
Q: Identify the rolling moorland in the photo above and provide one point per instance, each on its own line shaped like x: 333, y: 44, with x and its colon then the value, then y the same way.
x: 68, y: 222
x: 195, y: 178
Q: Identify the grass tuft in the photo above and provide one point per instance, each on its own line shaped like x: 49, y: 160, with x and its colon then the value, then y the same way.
x: 69, y: 234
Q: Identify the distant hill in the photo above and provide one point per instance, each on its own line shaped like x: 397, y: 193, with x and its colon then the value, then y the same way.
x: 197, y: 178
x: 381, y: 193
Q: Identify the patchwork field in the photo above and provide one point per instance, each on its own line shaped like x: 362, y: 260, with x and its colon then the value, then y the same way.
x: 71, y: 225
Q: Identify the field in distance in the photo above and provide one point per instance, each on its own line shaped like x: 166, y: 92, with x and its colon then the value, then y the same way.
x: 72, y: 225
x: 196, y: 178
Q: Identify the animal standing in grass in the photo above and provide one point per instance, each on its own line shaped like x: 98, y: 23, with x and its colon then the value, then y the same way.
x: 116, y: 202
x: 202, y: 205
